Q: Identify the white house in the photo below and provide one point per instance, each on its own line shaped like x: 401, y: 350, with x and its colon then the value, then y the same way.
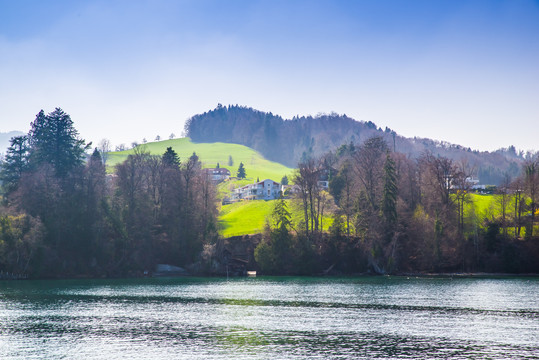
x: 263, y: 190
x: 218, y: 174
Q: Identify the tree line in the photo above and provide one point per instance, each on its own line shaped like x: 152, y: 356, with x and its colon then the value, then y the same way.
x: 289, y: 141
x: 395, y: 214
x: 63, y: 215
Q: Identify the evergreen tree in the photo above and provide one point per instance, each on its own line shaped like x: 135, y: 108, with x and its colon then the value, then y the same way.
x: 284, y: 180
x: 281, y: 216
x: 388, y: 208
x: 96, y: 156
x: 230, y: 160
x: 92, y: 224
x: 531, y: 184
x: 274, y: 251
x: 281, y: 238
x: 15, y: 162
x: 241, y: 171
x: 337, y: 229
x: 55, y: 141
x: 389, y: 195
x: 170, y: 158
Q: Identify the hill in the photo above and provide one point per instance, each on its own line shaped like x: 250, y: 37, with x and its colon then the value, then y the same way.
x: 286, y: 141
x: 212, y: 153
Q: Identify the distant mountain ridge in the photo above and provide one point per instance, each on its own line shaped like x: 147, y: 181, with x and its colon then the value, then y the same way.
x: 285, y: 141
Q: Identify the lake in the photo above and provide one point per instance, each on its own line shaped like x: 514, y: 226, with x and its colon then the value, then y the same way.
x: 271, y: 318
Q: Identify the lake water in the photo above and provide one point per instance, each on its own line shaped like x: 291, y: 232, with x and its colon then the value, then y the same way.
x: 271, y: 318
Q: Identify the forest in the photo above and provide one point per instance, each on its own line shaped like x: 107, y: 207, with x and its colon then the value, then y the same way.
x: 290, y: 141
x: 64, y: 214
x: 395, y: 214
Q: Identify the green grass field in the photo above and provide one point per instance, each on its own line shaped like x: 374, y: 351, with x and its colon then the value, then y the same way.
x: 485, y: 205
x: 210, y: 154
x: 250, y: 217
x: 489, y: 207
x: 244, y: 217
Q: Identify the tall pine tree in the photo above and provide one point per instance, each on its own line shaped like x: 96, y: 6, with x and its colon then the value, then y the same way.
x: 15, y: 162
x: 54, y: 140
x: 171, y: 158
x: 241, y: 171
x: 389, y: 197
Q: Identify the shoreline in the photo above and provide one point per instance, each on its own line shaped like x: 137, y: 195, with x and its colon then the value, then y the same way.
x: 478, y: 275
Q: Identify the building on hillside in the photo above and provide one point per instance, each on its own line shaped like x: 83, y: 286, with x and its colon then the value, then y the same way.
x: 262, y: 190
x: 289, y: 190
x: 472, y: 182
x: 323, y: 178
x: 469, y: 183
x: 218, y: 174
x: 323, y: 184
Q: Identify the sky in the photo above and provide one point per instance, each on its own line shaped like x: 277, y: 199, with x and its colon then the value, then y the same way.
x: 466, y: 72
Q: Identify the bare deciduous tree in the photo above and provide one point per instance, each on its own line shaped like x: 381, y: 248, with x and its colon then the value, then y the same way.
x: 104, y: 148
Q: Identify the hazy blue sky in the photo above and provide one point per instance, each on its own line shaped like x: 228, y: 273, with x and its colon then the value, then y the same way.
x: 462, y: 71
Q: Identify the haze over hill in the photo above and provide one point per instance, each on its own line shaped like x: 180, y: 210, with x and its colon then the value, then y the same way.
x: 286, y: 141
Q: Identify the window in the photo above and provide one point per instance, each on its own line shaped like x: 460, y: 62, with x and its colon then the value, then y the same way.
x: 269, y: 192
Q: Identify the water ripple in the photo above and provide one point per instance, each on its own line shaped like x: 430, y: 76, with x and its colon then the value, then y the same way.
x: 269, y: 320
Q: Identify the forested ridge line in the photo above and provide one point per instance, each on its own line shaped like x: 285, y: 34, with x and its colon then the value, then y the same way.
x: 289, y: 140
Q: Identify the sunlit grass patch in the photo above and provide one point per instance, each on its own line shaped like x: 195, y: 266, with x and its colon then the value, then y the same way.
x: 212, y: 153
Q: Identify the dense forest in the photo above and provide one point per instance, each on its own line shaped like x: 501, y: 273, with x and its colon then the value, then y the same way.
x: 63, y: 215
x: 289, y: 141
x: 394, y: 214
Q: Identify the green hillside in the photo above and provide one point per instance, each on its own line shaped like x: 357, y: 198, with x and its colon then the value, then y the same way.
x: 250, y: 217
x: 212, y: 153
x: 245, y: 217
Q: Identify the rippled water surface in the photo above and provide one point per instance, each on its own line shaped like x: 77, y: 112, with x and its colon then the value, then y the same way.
x: 270, y: 318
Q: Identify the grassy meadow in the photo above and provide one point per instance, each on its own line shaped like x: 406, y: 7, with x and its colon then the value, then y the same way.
x: 210, y: 154
x: 483, y: 205
x: 244, y: 217
x: 250, y: 217
x: 489, y: 207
